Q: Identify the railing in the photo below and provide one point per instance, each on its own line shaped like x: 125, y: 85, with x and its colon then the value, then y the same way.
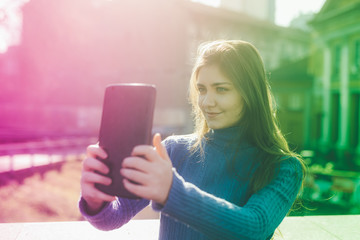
x: 20, y: 160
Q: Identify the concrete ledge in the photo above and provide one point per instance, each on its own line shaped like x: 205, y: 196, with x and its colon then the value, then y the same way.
x: 344, y: 227
x: 292, y: 228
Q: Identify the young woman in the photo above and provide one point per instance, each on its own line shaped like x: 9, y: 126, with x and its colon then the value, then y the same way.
x: 233, y: 178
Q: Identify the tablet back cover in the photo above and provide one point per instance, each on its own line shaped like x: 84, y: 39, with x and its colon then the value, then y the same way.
x: 126, y: 122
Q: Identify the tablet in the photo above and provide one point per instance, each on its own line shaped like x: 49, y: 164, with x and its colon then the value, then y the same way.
x: 126, y: 122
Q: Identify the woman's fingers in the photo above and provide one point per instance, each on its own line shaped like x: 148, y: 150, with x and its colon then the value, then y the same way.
x: 93, y: 195
x: 137, y: 163
x: 135, y: 176
x: 92, y: 171
x: 158, y: 152
x: 96, y: 151
x: 140, y: 190
x: 92, y: 164
x: 91, y: 177
x: 88, y: 190
x: 152, y: 175
x: 146, y: 151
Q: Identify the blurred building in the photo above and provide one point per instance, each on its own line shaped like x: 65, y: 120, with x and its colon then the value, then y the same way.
x: 276, y: 44
x: 302, y: 21
x: 335, y: 64
x: 71, y: 50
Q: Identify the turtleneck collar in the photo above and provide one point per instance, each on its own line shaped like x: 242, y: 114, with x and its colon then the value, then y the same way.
x: 226, y: 136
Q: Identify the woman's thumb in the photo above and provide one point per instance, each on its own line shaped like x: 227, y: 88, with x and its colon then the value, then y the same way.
x: 160, y: 149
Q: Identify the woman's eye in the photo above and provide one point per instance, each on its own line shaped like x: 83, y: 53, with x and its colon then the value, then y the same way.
x: 201, y: 90
x: 221, y: 89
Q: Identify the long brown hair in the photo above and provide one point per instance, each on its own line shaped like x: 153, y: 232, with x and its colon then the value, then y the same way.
x: 241, y: 63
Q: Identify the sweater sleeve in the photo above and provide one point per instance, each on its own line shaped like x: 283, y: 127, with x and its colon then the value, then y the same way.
x: 120, y: 211
x: 114, y: 214
x: 221, y: 219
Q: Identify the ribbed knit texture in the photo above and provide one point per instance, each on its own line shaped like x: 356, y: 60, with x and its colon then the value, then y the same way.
x: 206, y: 201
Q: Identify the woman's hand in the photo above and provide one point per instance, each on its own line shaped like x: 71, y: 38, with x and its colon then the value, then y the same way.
x: 152, y: 175
x: 94, y: 198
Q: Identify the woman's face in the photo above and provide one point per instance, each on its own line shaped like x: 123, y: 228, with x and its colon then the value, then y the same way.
x: 219, y: 100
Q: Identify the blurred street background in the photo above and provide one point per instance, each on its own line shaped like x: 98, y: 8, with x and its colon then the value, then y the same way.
x: 57, y: 57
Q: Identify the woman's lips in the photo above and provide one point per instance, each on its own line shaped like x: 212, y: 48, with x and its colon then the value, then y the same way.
x: 212, y: 114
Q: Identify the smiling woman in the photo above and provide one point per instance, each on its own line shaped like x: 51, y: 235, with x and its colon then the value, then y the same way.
x: 233, y: 178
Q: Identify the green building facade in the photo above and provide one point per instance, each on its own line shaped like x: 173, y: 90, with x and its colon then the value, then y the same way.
x: 335, y: 65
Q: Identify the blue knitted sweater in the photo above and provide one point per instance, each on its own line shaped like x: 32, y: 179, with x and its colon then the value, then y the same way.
x: 208, y: 201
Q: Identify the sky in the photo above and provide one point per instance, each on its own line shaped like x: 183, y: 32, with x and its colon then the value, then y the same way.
x: 286, y: 10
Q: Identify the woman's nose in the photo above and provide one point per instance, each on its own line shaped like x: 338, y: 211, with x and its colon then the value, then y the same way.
x: 208, y: 100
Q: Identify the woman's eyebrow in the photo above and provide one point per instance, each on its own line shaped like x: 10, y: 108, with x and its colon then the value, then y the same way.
x: 215, y: 84
x: 221, y: 83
